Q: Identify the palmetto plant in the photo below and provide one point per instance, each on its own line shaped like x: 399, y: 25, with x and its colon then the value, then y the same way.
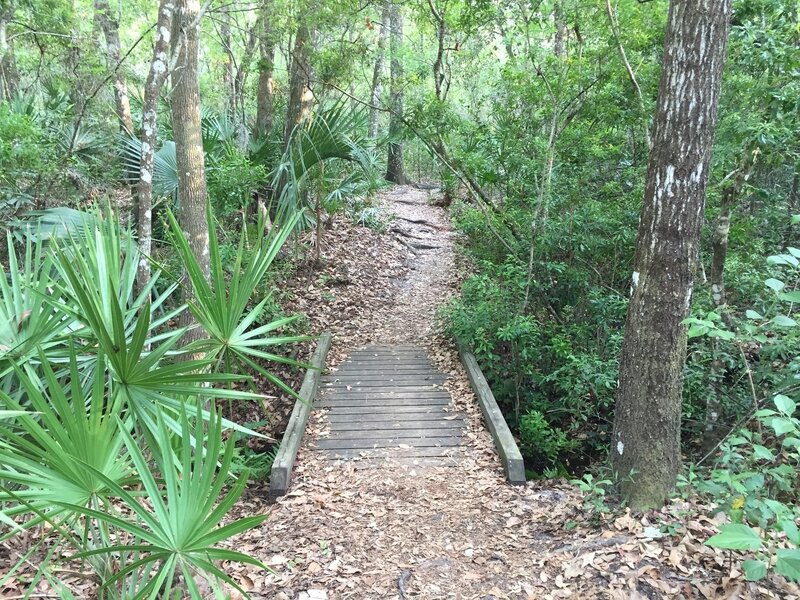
x: 28, y: 320
x: 332, y: 134
x: 60, y: 452
x: 108, y: 443
x: 236, y: 337
x: 177, y: 529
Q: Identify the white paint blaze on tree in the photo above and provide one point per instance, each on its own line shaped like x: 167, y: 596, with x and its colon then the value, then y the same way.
x: 646, y: 452
x: 152, y: 91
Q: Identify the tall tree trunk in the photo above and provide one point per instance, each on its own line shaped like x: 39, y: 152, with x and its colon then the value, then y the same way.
x: 152, y: 90
x: 266, y: 64
x: 395, y: 166
x: 731, y: 191
x: 438, y: 63
x: 110, y: 29
x: 185, y: 106
x: 300, y: 96
x: 9, y: 76
x: 646, y: 451
x: 227, y: 65
x: 243, y: 70
x: 560, y: 35
x: 377, y: 73
x: 612, y: 17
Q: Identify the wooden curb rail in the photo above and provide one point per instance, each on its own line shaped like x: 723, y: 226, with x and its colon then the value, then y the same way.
x: 284, y: 461
x: 510, y: 455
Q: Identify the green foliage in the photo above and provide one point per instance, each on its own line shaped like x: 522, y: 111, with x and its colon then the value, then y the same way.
x: 595, y: 494
x: 758, y: 485
x: 27, y: 158
x: 232, y: 181
x: 236, y: 340
x: 105, y: 434
x: 538, y: 438
x: 332, y: 135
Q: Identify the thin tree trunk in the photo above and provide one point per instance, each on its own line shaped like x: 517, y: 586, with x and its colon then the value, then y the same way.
x: 716, y: 278
x: 227, y: 66
x: 266, y: 63
x: 438, y: 63
x: 110, y: 29
x: 185, y: 106
x: 243, y: 70
x: 612, y: 17
x: 377, y: 73
x: 152, y: 90
x: 9, y: 76
x: 560, y: 36
x: 731, y: 191
x: 301, y: 97
x: 646, y: 450
x: 395, y: 167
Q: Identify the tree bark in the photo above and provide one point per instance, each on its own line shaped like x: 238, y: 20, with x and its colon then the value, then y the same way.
x: 110, y: 29
x: 377, y: 73
x: 9, y: 76
x: 560, y: 36
x: 646, y: 451
x: 152, y: 91
x: 227, y: 66
x: 264, y: 94
x: 186, y: 126
x: 301, y: 97
x: 243, y: 70
x: 719, y: 240
x: 612, y: 18
x: 438, y: 63
x: 731, y: 191
x: 395, y: 166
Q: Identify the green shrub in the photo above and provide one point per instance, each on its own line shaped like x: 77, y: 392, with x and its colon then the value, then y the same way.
x: 232, y: 181
x: 539, y: 439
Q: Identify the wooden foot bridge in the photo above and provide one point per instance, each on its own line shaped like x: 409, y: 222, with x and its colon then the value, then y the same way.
x: 389, y: 404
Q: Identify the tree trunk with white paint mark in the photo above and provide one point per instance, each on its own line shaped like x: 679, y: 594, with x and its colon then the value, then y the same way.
x: 646, y: 450
x: 152, y: 90
x: 110, y: 29
x: 186, y: 126
x: 395, y: 166
x: 377, y: 73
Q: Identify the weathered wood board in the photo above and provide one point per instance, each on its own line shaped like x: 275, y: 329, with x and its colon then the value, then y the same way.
x: 388, y: 402
x: 293, y: 436
x: 504, y: 441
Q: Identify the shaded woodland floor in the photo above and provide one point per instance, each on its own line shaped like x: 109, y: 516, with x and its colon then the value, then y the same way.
x: 351, y: 530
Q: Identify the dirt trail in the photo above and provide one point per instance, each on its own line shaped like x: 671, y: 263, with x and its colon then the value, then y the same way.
x: 351, y: 531
x: 347, y: 530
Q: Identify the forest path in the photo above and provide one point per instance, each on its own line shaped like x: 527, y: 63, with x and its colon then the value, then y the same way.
x: 396, y: 529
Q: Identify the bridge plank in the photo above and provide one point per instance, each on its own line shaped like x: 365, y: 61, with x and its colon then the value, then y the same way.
x: 388, y: 402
